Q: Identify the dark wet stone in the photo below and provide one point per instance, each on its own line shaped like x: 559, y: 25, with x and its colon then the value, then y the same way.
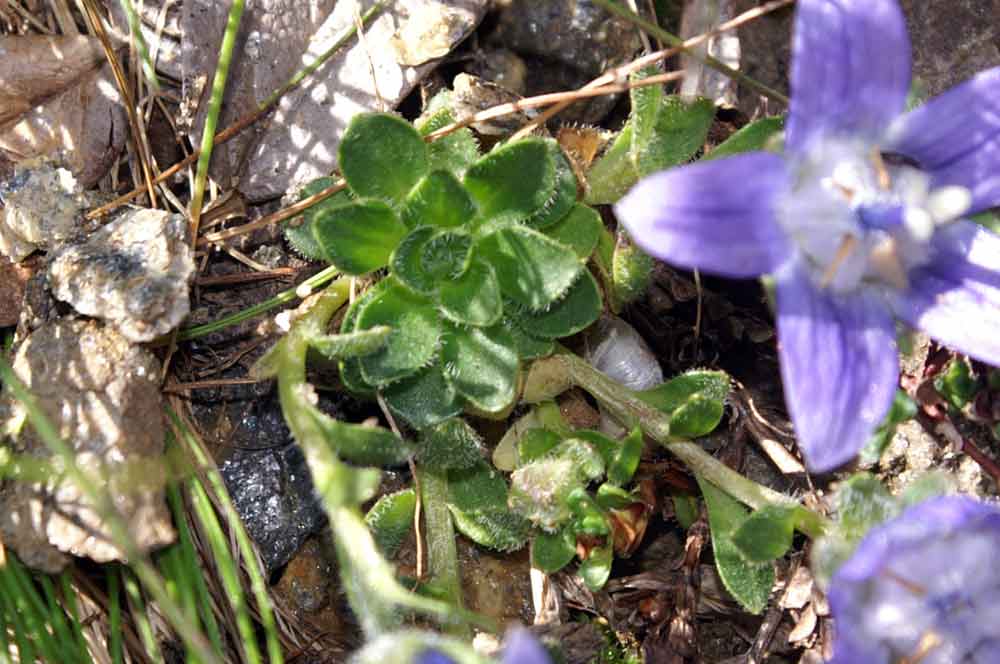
x: 273, y: 493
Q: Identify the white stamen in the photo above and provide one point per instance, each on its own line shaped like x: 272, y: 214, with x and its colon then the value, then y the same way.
x: 884, y: 261
x: 919, y: 222
x: 948, y: 203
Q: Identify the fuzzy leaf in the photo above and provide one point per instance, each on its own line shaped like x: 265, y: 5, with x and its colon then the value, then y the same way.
x: 766, y: 534
x: 527, y: 346
x: 413, y: 342
x: 478, y: 503
x: 604, y: 445
x: 512, y: 182
x: 428, y: 257
x: 577, y: 309
x: 406, y: 264
x: 450, y: 445
x: 550, y: 552
x: 351, y: 344
x: 564, y: 194
x: 482, y: 366
x: 454, y: 152
x: 533, y: 269
x: 681, y: 130
x: 390, y: 519
x: 439, y: 199
x: 596, y: 569
x: 298, y: 230
x: 350, y: 368
x: 588, y: 464
x: 473, y: 298
x: 646, y: 102
x: 539, y: 491
x: 535, y: 444
x: 611, y: 497
x: 588, y: 517
x: 424, y: 399
x: 750, y: 584
x: 626, y: 459
x: 699, y: 415
x: 694, y: 401
x: 754, y: 136
x: 357, y: 237
x: 613, y: 174
x: 382, y: 156
x: 862, y: 503
x: 580, y: 230
x: 631, y: 272
x: 363, y: 445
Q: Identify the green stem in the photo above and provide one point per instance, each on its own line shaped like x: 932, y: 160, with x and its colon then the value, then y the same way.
x: 214, y: 106
x: 442, y: 557
x: 368, y: 578
x: 566, y: 369
x: 309, y: 284
x: 675, y: 41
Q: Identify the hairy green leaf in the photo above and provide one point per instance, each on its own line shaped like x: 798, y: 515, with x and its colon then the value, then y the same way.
x: 533, y: 269
x: 454, y: 152
x: 539, y: 491
x: 550, y: 552
x: 413, y: 342
x: 351, y: 344
x: 749, y: 583
x: 564, y: 194
x: 754, y: 136
x: 364, y: 445
x: 646, y: 104
x: 575, y: 312
x: 382, y: 156
x: 472, y: 298
x: 681, y: 129
x: 391, y: 519
x: 481, y: 365
x: 588, y: 517
x: 423, y: 399
x: 512, y: 182
x: 450, y: 445
x: 596, y: 569
x: 766, y: 534
x: 298, y: 230
x: 694, y: 401
x: 478, y: 503
x: 626, y: 459
x: 526, y: 346
x: 579, y: 230
x: 358, y: 237
x: 535, y: 444
x: 440, y: 200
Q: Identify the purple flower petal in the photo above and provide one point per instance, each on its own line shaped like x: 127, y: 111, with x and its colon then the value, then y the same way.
x: 956, y: 138
x: 716, y: 216
x: 839, y: 366
x: 521, y: 647
x: 928, y: 572
x: 955, y: 298
x: 432, y: 656
x: 850, y: 69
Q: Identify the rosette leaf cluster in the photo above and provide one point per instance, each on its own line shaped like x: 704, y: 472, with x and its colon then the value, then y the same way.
x: 484, y: 259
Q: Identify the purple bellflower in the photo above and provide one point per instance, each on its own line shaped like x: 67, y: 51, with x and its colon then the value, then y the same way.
x: 860, y: 221
x: 923, y: 587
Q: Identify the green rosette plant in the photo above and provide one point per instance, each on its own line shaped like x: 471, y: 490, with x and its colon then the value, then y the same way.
x: 483, y: 256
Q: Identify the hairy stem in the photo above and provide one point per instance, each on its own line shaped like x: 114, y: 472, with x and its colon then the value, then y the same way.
x: 442, y: 557
x: 554, y: 374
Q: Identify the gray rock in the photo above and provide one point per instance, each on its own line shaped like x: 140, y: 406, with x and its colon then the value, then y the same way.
x: 298, y: 142
x: 102, y: 394
x: 133, y: 273
x: 271, y: 488
x: 42, y: 205
x: 566, y: 43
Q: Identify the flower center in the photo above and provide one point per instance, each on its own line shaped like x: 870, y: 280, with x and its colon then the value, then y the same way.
x: 863, y: 218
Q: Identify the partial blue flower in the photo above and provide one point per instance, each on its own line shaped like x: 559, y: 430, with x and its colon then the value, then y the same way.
x: 923, y: 587
x: 520, y: 647
x: 860, y: 221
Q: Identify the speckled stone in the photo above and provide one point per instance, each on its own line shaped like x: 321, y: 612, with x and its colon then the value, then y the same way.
x: 133, y: 273
x: 102, y: 394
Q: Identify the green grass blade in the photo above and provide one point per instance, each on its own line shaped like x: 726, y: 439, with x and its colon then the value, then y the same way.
x: 115, y: 616
x: 137, y: 606
x: 148, y: 70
